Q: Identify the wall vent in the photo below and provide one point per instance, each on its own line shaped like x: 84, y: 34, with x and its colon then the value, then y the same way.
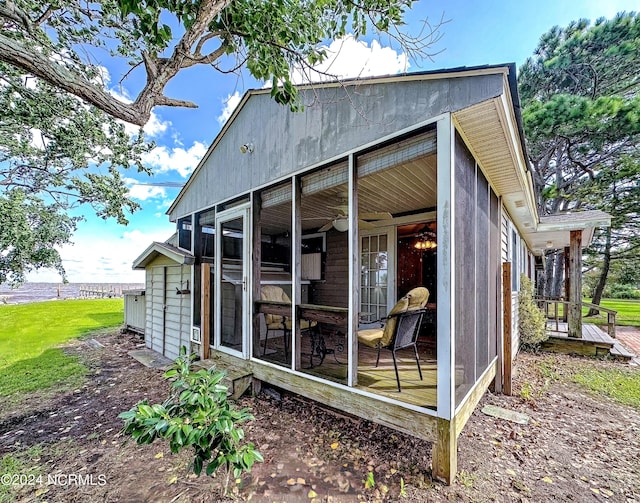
x: 195, y: 335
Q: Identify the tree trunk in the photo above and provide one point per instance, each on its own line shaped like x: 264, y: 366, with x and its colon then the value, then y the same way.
x: 548, y: 274
x: 602, y: 280
x: 558, y: 275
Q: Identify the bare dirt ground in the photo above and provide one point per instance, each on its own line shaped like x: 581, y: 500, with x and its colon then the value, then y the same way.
x: 577, y: 447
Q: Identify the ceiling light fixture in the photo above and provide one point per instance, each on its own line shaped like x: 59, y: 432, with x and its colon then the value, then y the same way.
x: 341, y: 224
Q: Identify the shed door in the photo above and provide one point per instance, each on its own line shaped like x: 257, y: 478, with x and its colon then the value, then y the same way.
x: 174, y: 302
x: 157, y: 309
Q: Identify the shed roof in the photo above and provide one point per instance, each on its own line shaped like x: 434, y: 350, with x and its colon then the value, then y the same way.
x: 157, y: 249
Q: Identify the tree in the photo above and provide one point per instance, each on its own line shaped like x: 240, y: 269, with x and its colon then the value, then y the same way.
x: 55, y: 154
x: 581, y: 119
x: 58, y: 41
x: 60, y: 144
x: 616, y: 191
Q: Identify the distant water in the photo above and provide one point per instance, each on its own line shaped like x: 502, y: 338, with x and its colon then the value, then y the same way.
x: 36, y: 292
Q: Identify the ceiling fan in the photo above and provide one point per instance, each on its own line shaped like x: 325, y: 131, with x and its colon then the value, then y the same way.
x: 340, y: 221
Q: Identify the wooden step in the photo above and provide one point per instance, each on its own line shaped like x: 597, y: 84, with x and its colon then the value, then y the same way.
x: 619, y: 352
x: 238, y: 380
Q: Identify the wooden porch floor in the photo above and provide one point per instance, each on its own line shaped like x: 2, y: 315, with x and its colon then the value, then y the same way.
x: 380, y: 380
x: 594, y: 342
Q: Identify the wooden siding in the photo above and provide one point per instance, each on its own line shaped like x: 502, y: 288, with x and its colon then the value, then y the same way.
x: 465, y: 252
x: 135, y: 311
x: 168, y: 315
x: 177, y: 313
x: 155, y: 315
x: 348, y: 400
x: 332, y: 126
x: 334, y: 290
x: 475, y: 314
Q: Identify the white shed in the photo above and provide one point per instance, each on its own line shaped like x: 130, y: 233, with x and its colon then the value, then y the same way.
x: 168, y: 292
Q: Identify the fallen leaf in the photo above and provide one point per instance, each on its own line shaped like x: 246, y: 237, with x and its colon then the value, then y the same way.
x: 301, y: 481
x: 312, y: 494
x: 511, y: 472
x: 606, y: 492
x: 547, y: 480
x: 291, y: 482
x: 335, y: 445
x: 173, y: 480
x: 159, y: 455
x: 597, y: 491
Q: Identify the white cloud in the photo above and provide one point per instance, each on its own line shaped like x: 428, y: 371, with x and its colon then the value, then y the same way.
x: 164, y: 159
x: 230, y: 104
x: 103, y: 260
x: 141, y: 192
x: 351, y: 58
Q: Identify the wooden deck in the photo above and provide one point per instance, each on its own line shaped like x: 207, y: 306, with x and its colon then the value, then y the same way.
x: 594, y: 342
x: 380, y: 380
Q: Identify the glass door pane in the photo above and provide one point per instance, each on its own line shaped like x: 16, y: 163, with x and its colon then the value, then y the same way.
x: 232, y: 282
x: 374, y: 276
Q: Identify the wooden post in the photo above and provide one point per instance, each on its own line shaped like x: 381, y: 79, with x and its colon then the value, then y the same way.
x: 205, y: 325
x: 445, y: 452
x: 354, y: 272
x: 507, y: 322
x: 296, y: 244
x: 574, y: 320
x: 256, y: 263
x: 567, y: 283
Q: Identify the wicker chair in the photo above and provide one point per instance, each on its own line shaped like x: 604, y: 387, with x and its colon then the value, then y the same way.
x: 401, y: 328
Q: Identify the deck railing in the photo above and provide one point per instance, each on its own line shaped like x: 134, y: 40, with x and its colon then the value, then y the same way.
x: 555, y: 309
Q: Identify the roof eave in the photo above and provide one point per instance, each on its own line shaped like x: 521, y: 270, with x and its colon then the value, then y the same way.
x: 156, y: 249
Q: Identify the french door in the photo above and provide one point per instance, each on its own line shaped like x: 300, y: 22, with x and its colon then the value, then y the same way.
x: 232, y: 280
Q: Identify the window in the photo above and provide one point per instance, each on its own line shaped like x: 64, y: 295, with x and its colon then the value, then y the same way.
x: 184, y: 233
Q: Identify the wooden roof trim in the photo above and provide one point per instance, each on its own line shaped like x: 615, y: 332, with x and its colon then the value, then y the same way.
x: 155, y: 249
x: 405, y: 77
x: 578, y: 220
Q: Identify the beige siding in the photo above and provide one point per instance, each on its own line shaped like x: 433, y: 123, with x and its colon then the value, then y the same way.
x: 507, y: 253
x: 177, y: 320
x: 168, y: 312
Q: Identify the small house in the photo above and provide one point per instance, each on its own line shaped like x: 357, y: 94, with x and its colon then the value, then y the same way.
x: 298, y: 232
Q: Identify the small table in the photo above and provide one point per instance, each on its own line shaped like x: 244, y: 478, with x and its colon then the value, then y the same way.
x: 329, y: 315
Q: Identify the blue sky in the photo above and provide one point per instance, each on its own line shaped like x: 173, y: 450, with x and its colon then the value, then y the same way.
x: 477, y: 33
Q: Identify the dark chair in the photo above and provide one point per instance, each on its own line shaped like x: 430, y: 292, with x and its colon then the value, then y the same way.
x: 401, y: 328
x: 276, y: 323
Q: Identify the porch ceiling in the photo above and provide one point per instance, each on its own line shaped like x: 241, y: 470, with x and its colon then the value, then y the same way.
x: 401, y: 189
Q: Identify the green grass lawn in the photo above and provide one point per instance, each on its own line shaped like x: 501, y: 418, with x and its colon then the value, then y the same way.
x: 621, y: 385
x: 628, y: 312
x: 29, y: 334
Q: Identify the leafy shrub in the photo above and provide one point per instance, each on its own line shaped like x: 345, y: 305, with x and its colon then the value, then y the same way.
x: 624, y: 291
x: 531, y: 320
x: 197, y: 414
